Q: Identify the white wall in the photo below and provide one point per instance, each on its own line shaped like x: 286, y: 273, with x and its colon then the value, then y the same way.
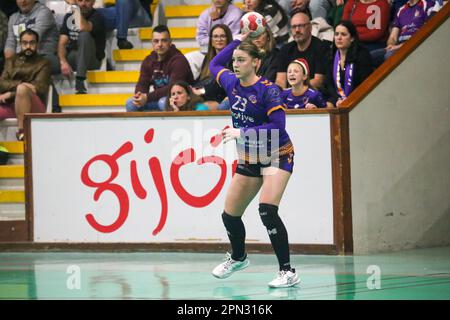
x: 61, y: 201
x: 400, y: 154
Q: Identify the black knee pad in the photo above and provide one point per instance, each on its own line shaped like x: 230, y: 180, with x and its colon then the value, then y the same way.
x: 269, y: 215
x: 234, y: 225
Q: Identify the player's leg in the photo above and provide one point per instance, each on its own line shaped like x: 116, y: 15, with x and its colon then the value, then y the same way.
x: 240, y: 193
x: 274, y: 184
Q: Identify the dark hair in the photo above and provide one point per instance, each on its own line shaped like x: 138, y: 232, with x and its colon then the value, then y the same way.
x: 161, y: 28
x: 352, y: 51
x: 29, y: 32
x: 192, y: 102
x: 251, y: 49
x: 211, y: 53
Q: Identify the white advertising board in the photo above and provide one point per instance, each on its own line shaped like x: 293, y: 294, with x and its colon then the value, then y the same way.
x: 116, y: 179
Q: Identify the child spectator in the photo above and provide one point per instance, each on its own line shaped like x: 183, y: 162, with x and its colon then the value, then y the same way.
x: 300, y: 95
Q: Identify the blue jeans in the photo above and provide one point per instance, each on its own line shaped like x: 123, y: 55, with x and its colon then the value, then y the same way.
x: 125, y: 14
x: 149, y: 106
x: 380, y: 55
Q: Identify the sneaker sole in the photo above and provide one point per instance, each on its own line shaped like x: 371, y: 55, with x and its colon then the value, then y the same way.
x: 229, y: 274
x: 286, y: 285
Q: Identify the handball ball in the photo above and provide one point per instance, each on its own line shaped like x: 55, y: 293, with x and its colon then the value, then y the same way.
x: 254, y: 23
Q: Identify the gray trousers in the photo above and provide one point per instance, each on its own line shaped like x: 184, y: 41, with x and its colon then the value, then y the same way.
x: 84, y: 58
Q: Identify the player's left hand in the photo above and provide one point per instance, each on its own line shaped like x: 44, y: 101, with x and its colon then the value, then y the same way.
x: 230, y: 134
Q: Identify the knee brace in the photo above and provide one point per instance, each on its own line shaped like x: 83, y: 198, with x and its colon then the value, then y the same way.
x: 269, y: 216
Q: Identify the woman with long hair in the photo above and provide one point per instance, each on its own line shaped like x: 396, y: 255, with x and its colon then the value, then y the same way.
x: 266, y: 157
x: 349, y: 65
x: 205, y: 85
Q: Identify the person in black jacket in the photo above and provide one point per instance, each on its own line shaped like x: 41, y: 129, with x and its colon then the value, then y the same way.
x: 349, y: 64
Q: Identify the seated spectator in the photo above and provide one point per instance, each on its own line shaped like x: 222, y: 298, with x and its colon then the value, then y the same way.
x: 320, y: 27
x: 305, y: 46
x: 371, y: 18
x: 165, y: 65
x: 409, y: 19
x: 3, y: 35
x: 220, y: 12
x: 269, y: 63
x: 300, y: 95
x: 81, y: 44
x: 24, y: 82
x: 126, y: 14
x: 276, y: 18
x: 182, y: 98
x: 349, y: 65
x: 205, y: 85
x: 36, y: 16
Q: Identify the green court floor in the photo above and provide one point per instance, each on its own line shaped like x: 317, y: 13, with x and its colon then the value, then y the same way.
x: 412, y: 274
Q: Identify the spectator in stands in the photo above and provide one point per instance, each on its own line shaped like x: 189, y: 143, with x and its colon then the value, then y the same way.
x: 269, y: 63
x: 349, y: 64
x: 220, y: 12
x: 36, y: 16
x: 305, y: 46
x: 82, y: 42
x: 126, y: 14
x: 165, y: 65
x: 300, y: 95
x: 371, y: 18
x: 181, y: 98
x: 409, y: 19
x: 24, y: 82
x: 320, y: 27
x: 3, y: 35
x: 276, y: 18
x: 205, y: 85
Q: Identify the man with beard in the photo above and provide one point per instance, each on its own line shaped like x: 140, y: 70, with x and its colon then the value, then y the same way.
x: 36, y: 16
x: 82, y: 42
x: 24, y: 82
x: 305, y: 46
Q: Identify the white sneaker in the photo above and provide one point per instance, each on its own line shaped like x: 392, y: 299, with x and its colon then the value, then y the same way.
x: 227, y: 268
x: 285, y: 279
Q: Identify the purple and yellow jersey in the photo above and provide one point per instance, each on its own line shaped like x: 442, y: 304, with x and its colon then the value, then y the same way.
x: 299, y: 102
x: 250, y: 108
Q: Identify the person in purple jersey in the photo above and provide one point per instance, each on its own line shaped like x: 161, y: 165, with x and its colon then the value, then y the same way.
x: 301, y: 95
x: 259, y: 122
x: 408, y: 20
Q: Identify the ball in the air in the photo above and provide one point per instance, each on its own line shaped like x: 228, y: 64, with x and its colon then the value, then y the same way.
x: 254, y: 23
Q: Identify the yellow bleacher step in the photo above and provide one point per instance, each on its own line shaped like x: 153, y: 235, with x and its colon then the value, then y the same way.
x: 12, y: 171
x: 178, y: 11
x: 12, y: 196
x: 113, y: 76
x: 94, y: 100
x: 175, y: 33
x: 15, y: 147
x: 140, y: 54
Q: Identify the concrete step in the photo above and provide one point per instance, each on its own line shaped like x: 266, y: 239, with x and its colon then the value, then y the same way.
x: 94, y: 102
x: 8, y: 129
x: 12, y: 171
x: 110, y: 81
x: 12, y: 211
x: 12, y: 196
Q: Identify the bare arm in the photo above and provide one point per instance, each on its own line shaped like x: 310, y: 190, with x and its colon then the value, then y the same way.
x: 318, y: 81
x: 281, y: 80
